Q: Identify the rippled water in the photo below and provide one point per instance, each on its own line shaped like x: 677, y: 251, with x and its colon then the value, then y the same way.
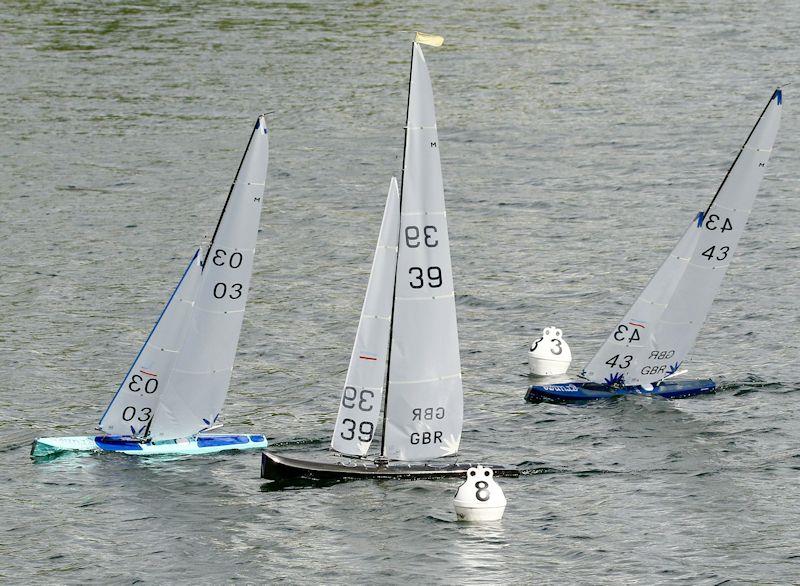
x: 576, y: 140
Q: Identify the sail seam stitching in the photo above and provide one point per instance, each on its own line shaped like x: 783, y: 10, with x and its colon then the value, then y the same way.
x: 425, y: 380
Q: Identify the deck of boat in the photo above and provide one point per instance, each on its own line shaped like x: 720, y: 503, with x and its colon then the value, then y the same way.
x: 584, y: 391
x: 281, y: 467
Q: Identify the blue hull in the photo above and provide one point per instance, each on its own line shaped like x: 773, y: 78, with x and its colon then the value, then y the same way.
x: 581, y: 392
x: 201, y: 444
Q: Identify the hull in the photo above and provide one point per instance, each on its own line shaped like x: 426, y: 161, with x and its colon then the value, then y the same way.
x: 202, y: 444
x: 278, y: 467
x: 580, y: 391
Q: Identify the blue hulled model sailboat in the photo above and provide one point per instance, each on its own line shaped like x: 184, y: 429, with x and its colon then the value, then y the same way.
x: 648, y: 347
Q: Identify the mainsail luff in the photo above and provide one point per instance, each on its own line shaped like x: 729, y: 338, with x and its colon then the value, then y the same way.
x: 133, y: 405
x: 198, y: 385
x: 424, y: 399
x: 660, y: 329
x: 364, y: 385
x: 394, y: 281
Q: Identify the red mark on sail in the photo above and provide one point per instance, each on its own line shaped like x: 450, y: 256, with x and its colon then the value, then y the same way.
x: 147, y: 373
x: 633, y: 323
x: 365, y: 357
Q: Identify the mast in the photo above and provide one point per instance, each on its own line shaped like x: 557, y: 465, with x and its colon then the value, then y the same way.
x: 230, y: 191
x: 778, y: 96
x: 391, y: 321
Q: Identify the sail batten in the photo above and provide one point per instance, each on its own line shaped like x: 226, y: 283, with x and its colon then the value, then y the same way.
x: 675, y: 303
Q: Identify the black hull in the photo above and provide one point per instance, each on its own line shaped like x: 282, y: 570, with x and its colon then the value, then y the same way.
x: 279, y: 467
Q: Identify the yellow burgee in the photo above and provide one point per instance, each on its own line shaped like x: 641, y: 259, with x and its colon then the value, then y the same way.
x: 426, y: 39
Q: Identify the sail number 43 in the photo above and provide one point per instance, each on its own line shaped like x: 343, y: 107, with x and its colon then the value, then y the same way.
x: 616, y: 361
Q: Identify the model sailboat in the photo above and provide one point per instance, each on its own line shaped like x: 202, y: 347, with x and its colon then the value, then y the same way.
x: 406, y: 355
x: 652, y: 341
x: 174, y: 391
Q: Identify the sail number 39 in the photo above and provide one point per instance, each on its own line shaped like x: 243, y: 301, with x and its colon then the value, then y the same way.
x: 416, y: 236
x: 352, y: 398
x: 428, y: 236
x: 365, y: 398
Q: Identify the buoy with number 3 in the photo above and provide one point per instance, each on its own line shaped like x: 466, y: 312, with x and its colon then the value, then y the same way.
x: 549, y: 354
x: 480, y: 498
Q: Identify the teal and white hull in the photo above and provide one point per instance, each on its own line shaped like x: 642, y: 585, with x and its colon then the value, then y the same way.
x: 201, y: 444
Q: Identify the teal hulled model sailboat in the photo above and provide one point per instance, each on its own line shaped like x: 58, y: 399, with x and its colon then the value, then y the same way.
x: 174, y: 391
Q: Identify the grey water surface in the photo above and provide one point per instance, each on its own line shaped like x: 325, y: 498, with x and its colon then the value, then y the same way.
x: 577, y: 139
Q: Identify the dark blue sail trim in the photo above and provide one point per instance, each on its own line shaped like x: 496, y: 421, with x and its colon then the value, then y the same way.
x: 699, y: 218
x: 150, y: 335
x: 616, y: 379
x: 673, y: 368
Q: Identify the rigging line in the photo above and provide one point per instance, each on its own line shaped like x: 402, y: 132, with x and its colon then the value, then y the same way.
x: 741, y: 150
x: 397, y: 257
x: 230, y: 191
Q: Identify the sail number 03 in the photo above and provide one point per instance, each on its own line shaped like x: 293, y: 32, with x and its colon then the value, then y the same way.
x: 220, y: 289
x: 234, y: 260
x: 135, y: 385
x: 221, y: 256
x: 130, y: 412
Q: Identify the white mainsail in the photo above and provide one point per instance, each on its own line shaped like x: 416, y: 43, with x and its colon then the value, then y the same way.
x: 363, y: 388
x: 132, y: 406
x: 424, y: 402
x: 660, y: 329
x: 199, y: 381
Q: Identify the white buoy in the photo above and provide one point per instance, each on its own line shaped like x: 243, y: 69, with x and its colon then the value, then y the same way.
x: 550, y: 354
x: 480, y: 498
